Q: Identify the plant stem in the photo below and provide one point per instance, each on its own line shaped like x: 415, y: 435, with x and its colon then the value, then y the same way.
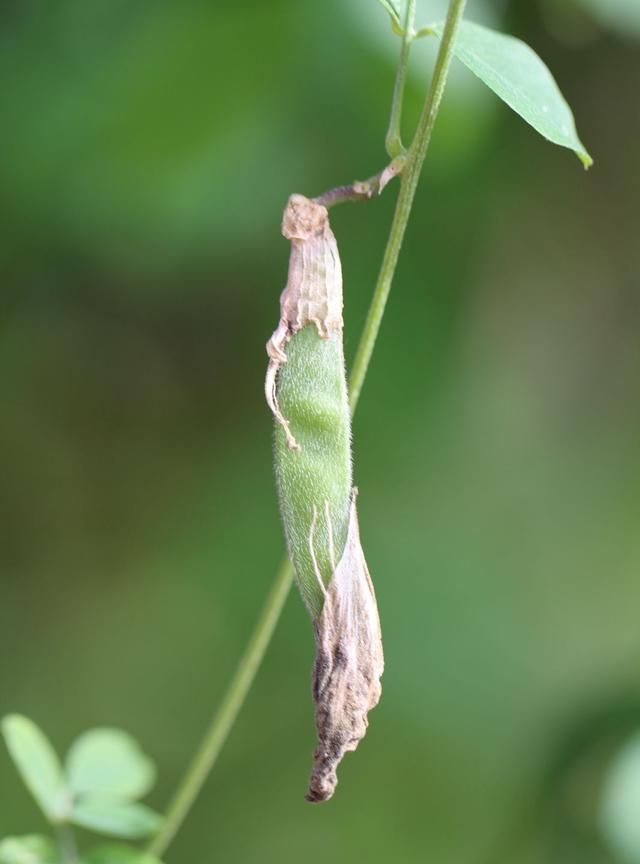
x: 67, y: 843
x: 408, y: 184
x: 393, y: 141
x: 224, y: 718
x: 363, y: 190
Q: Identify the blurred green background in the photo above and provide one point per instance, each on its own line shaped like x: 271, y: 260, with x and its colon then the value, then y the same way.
x: 147, y: 151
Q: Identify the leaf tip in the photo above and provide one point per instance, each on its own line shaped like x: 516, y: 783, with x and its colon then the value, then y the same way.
x: 8, y: 720
x: 585, y: 158
x: 11, y: 723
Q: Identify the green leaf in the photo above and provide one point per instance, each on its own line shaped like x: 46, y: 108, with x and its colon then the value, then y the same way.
x: 38, y: 765
x: 394, y: 14
x: 620, y: 805
x: 31, y: 849
x: 116, y: 818
x: 518, y: 76
x: 108, y: 763
x: 119, y: 855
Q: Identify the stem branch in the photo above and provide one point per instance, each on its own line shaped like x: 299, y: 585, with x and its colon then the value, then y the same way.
x: 67, y: 843
x: 363, y: 190
x: 224, y: 718
x: 408, y: 184
x: 393, y: 141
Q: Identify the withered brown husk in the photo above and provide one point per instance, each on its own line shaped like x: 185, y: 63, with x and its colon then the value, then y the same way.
x: 349, y: 663
x: 313, y: 293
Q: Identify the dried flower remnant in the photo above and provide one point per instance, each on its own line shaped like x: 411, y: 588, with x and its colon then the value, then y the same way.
x: 313, y: 293
x: 349, y: 663
x: 306, y: 389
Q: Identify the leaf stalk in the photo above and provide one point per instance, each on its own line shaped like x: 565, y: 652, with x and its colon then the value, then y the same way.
x: 393, y: 141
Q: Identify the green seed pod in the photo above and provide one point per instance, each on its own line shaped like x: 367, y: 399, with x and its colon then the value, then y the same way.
x: 314, y: 480
x: 313, y: 468
x: 307, y: 392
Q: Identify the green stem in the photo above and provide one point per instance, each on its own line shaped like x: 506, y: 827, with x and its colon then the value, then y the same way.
x: 408, y: 184
x: 67, y: 843
x: 222, y: 723
x: 224, y: 718
x: 393, y: 141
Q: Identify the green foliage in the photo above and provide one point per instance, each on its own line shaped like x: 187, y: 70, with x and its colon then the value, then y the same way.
x: 118, y: 855
x: 36, y: 849
x: 108, y: 763
x: 312, y: 393
x: 38, y: 765
x: 454, y: 532
x: 105, y: 772
x: 117, y: 818
x: 620, y: 807
x: 31, y: 849
x: 519, y: 77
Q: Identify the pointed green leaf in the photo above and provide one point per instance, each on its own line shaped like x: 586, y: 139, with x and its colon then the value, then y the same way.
x: 518, y: 76
x: 116, y: 818
x: 108, y: 763
x: 119, y: 855
x: 37, y: 763
x: 31, y: 849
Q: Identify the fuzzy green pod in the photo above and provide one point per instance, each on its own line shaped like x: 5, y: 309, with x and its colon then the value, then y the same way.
x: 313, y: 463
x: 314, y: 480
x: 307, y: 392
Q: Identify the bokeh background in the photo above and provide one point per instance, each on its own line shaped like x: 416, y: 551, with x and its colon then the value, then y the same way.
x: 147, y: 151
